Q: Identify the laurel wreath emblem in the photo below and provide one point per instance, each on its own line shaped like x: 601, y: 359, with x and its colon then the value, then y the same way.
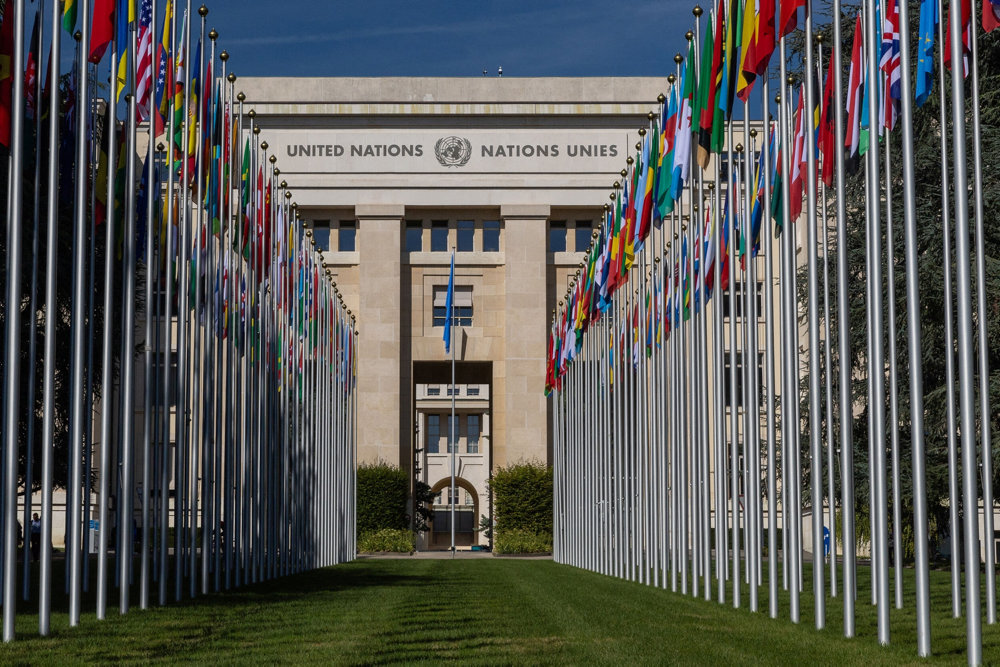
x: 453, y: 151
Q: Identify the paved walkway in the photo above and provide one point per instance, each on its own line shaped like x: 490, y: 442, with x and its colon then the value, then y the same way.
x: 447, y: 555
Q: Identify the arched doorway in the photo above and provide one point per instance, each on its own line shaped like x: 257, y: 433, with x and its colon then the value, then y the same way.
x: 466, y: 514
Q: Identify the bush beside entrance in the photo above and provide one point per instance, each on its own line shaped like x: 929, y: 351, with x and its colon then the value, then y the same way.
x: 382, y: 520
x: 522, y: 508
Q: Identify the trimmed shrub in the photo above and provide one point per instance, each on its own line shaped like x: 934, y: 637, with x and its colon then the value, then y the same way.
x: 522, y: 498
x: 383, y: 490
x: 387, y: 539
x: 515, y: 541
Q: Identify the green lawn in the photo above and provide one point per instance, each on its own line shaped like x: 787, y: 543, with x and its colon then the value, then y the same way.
x: 492, y: 610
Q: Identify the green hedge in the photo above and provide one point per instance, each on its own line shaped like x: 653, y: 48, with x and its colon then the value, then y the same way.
x: 383, y: 490
x: 387, y: 539
x: 514, y: 541
x: 522, y: 500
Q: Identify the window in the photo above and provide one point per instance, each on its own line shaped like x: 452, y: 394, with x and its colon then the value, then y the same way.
x: 491, y: 236
x: 439, y: 236
x: 469, y: 499
x: 452, y: 434
x: 462, y: 306
x: 741, y: 298
x: 433, y: 433
x: 466, y: 233
x: 346, y: 236
x: 433, y: 391
x: 472, y: 435
x: 583, y: 232
x: 321, y: 233
x: 557, y: 236
x: 740, y: 378
x: 472, y: 390
x: 414, y: 236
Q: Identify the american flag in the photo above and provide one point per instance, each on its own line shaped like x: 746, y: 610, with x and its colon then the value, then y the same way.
x: 144, y: 65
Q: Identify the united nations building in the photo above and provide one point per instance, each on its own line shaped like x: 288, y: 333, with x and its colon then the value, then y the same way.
x: 392, y: 175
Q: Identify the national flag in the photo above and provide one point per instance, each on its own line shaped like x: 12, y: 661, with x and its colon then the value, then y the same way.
x: 448, y: 305
x: 731, y: 57
x: 180, y: 62
x: 966, y: 8
x: 6, y: 70
x: 644, y: 193
x: 789, y: 15
x: 855, y: 78
x: 164, y: 71
x: 762, y: 47
x: 69, y: 16
x: 827, y: 141
x: 890, y: 64
x: 124, y: 16
x: 745, y: 74
x: 710, y: 82
x: 991, y: 15
x: 144, y: 60
x: 102, y: 29
x: 798, y: 159
x: 682, y: 134
x: 31, y: 72
x: 925, y: 49
x: 665, y: 163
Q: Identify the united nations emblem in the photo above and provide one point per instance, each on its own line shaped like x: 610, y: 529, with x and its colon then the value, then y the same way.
x: 453, y: 151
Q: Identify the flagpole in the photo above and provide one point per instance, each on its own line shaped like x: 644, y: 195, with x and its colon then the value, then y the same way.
x: 984, y: 362
x: 452, y: 444
x: 48, y: 382
x: 949, y: 336
x: 772, y: 489
x: 33, y: 309
x: 13, y: 319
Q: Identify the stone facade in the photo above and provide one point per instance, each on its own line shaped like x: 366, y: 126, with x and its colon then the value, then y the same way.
x: 404, y: 170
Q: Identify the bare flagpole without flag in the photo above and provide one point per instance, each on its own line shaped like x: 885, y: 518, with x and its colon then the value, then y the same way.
x: 452, y: 442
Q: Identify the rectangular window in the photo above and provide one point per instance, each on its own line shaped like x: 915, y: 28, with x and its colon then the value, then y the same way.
x: 728, y: 383
x: 557, y: 236
x: 433, y: 391
x: 472, y: 436
x: 414, y: 236
x: 452, y: 434
x: 439, y: 236
x: 469, y: 500
x: 472, y: 390
x: 583, y: 232
x: 346, y: 236
x: 433, y: 433
x: 491, y: 236
x: 465, y: 235
x: 462, y: 306
x: 321, y: 234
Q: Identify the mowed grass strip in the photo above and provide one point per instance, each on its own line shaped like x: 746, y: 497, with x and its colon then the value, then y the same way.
x: 484, y: 611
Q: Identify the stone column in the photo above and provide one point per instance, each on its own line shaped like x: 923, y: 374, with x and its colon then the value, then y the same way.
x: 523, y: 406
x: 380, y: 229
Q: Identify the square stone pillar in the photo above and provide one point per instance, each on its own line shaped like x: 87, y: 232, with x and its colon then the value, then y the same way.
x: 522, y: 402
x: 380, y: 230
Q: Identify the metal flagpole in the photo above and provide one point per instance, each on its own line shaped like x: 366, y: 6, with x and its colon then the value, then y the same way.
x: 13, y: 337
x: 966, y: 363
x: 914, y: 339
x: 984, y: 362
x: 772, y: 487
x: 107, y: 410
x: 48, y: 382
x: 33, y: 312
x: 452, y: 443
x: 78, y: 417
x: 897, y: 545
x: 954, y: 529
x: 815, y: 428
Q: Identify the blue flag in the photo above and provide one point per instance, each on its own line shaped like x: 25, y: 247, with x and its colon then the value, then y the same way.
x: 448, y: 303
x: 925, y: 50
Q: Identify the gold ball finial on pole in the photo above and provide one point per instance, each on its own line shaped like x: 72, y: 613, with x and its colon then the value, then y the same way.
x: 697, y: 11
x: 213, y: 34
x: 240, y: 96
x: 203, y: 11
x: 224, y: 56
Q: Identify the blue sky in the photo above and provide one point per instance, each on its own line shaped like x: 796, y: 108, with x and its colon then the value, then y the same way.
x: 441, y: 38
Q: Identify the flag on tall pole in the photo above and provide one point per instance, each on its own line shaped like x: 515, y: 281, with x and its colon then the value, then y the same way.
x: 855, y: 79
x: 102, y: 29
x: 448, y: 305
x: 144, y: 60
